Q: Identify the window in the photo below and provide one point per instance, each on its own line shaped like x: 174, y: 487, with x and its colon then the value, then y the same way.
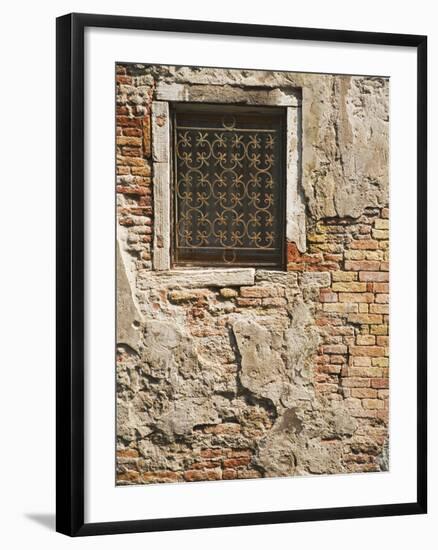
x: 229, y: 186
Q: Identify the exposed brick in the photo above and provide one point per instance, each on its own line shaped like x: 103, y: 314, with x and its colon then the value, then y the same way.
x: 381, y: 224
x: 349, y: 287
x: 362, y: 361
x: 326, y: 295
x: 205, y: 464
x: 372, y: 404
x: 380, y: 383
x: 248, y: 302
x: 356, y: 297
x: 379, y: 308
x: 380, y: 234
x: 127, y: 140
x: 127, y: 453
x: 365, y: 318
x: 236, y: 462
x: 364, y: 265
x: 336, y: 349
x: 383, y: 340
x: 366, y: 340
x: 374, y: 276
x: 340, y: 308
x: 380, y: 361
x: 202, y: 475
x: 352, y: 382
x: 361, y: 393
x: 364, y: 244
x: 344, y: 276
x: 213, y: 453
x: 368, y: 372
x: 381, y: 329
x: 367, y: 351
x: 257, y: 292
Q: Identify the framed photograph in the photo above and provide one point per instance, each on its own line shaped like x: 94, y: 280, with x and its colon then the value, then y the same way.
x: 241, y: 274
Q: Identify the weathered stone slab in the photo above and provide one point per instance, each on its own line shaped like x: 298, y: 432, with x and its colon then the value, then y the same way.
x: 211, y: 93
x: 127, y: 313
x: 262, y: 369
x: 196, y: 278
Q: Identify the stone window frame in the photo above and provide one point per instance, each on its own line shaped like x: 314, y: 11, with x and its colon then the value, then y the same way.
x: 164, y: 95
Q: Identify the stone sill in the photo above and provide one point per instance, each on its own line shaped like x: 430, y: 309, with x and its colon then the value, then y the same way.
x: 197, y: 278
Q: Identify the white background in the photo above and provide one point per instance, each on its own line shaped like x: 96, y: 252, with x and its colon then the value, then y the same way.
x: 28, y: 170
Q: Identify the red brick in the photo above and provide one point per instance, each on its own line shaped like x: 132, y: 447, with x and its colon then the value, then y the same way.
x: 205, y: 465
x: 326, y: 295
x: 123, y: 79
x: 129, y: 121
x: 356, y: 297
x: 127, y: 453
x: 336, y: 349
x: 133, y: 132
x: 364, y: 244
x: 355, y: 382
x: 257, y: 292
x: 212, y: 453
x: 236, y: 462
x: 163, y: 476
x: 349, y: 287
x: 374, y: 276
x: 131, y: 190
x: 202, y: 475
x: 380, y: 383
x: 367, y: 351
x: 361, y: 393
x: 363, y: 265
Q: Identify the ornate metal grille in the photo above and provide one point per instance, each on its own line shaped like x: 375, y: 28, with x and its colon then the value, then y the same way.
x: 229, y: 186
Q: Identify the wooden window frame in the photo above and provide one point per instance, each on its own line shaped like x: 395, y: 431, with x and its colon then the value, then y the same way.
x: 161, y: 132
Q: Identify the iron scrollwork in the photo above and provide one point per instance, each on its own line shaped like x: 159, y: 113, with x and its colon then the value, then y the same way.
x: 227, y: 189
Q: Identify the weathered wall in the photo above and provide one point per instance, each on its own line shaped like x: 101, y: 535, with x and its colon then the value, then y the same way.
x: 275, y: 373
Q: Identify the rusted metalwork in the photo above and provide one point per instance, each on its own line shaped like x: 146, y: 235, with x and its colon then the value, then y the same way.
x: 229, y: 186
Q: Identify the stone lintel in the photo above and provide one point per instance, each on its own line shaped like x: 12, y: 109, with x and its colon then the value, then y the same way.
x: 211, y: 93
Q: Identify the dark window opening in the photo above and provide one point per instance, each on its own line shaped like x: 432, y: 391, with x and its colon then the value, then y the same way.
x: 229, y: 186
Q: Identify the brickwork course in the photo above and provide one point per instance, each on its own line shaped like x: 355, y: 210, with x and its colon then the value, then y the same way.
x: 270, y: 373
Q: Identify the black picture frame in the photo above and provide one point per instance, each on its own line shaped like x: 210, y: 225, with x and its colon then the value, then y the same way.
x: 70, y: 273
